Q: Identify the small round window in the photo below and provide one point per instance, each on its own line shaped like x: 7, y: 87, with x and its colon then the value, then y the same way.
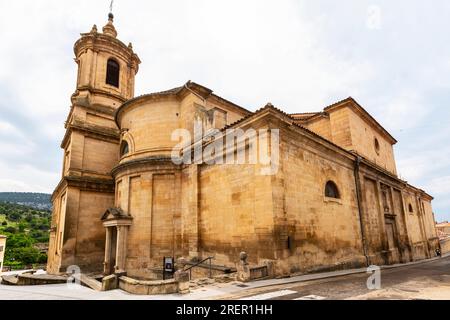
x: 376, y: 145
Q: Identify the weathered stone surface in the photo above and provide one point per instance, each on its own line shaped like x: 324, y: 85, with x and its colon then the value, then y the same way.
x: 88, y: 281
x: 26, y: 279
x: 445, y: 246
x: 148, y: 287
x: 110, y: 282
x: 182, y: 277
x: 10, y: 280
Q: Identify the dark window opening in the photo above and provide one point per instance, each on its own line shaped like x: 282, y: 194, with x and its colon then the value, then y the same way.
x: 112, y: 73
x: 331, y: 190
x: 410, y: 208
x: 124, y: 149
x: 384, y: 195
x: 377, y: 145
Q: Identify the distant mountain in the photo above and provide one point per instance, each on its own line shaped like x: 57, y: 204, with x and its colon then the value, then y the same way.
x: 40, y: 201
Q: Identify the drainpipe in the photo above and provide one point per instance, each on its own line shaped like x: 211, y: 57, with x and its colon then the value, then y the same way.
x: 360, y: 212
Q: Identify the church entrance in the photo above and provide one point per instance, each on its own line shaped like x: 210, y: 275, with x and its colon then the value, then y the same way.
x: 116, y: 223
x: 110, y: 261
x: 392, y: 241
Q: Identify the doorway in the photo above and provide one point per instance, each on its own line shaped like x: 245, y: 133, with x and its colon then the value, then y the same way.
x: 112, y: 251
x: 392, y: 239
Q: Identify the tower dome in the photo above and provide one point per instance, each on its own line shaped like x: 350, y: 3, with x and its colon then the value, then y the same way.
x: 109, y: 28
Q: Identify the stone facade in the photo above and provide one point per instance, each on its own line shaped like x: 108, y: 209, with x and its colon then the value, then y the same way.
x: 124, y: 204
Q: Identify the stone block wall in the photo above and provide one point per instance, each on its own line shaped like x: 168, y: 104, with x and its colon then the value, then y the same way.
x: 313, y: 231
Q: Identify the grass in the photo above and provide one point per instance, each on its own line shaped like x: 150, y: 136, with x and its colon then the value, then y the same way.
x: 10, y: 223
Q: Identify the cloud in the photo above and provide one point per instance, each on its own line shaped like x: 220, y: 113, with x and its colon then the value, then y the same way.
x: 26, y: 178
x: 299, y: 55
x: 7, y: 128
x: 405, y: 110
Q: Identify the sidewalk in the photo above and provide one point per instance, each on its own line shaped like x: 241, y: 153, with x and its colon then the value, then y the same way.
x: 215, y: 291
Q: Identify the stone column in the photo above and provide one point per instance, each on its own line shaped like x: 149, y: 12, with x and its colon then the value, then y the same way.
x: 122, y: 233
x: 107, y: 262
x: 243, y: 269
x: 193, y: 226
x: 182, y: 277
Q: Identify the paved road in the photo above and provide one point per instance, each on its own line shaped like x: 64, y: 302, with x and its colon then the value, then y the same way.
x: 430, y: 280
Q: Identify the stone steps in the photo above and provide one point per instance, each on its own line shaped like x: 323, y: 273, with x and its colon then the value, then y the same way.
x: 88, y: 281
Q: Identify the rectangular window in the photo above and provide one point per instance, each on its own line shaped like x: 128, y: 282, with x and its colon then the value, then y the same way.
x: 1, y: 248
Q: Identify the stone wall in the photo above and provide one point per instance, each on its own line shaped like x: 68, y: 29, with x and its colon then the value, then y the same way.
x: 148, y: 287
x: 313, y: 231
x: 445, y: 246
x: 363, y: 137
x: 235, y: 213
x: 150, y: 192
x: 348, y: 129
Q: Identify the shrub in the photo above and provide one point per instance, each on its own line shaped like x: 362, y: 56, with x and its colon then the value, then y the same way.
x: 10, y: 230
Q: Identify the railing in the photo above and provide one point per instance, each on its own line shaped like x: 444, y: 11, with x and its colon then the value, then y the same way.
x: 199, y: 263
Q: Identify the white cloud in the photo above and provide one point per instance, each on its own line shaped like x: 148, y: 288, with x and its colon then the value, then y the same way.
x: 26, y: 178
x: 7, y: 128
x: 439, y: 186
x: 300, y: 55
x: 405, y: 110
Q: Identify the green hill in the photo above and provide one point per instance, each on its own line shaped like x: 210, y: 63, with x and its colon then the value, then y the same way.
x: 35, y: 200
x: 27, y: 229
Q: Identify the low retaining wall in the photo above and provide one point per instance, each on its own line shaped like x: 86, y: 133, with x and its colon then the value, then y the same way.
x: 33, y: 280
x: 148, y: 287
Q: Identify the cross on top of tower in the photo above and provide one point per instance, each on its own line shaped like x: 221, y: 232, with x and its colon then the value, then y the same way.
x: 109, y: 28
x: 111, y: 15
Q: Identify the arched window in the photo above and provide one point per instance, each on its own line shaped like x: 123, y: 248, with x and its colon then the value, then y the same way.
x: 410, y: 208
x: 331, y: 190
x: 124, y: 148
x: 112, y: 73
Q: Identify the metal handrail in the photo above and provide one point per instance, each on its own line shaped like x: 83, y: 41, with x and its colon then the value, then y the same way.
x: 197, y: 264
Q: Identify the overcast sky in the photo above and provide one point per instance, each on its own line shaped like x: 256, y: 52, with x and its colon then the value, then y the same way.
x: 393, y: 57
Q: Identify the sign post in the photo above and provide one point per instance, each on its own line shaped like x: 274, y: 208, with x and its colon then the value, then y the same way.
x: 168, y: 267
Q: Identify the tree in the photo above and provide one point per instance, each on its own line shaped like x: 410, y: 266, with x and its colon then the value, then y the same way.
x: 10, y: 230
x: 27, y: 255
x: 22, y: 226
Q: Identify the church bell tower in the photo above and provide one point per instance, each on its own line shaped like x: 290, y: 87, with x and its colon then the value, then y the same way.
x: 106, y: 72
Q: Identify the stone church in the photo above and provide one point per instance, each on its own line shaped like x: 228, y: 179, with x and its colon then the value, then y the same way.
x: 335, y: 200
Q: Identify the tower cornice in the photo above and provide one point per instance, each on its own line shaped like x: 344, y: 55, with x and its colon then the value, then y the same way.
x: 100, y: 42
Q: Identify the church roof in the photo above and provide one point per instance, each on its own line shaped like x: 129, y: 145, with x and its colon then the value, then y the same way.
x: 205, y: 92
x: 189, y: 86
x: 304, y: 115
x: 352, y: 103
